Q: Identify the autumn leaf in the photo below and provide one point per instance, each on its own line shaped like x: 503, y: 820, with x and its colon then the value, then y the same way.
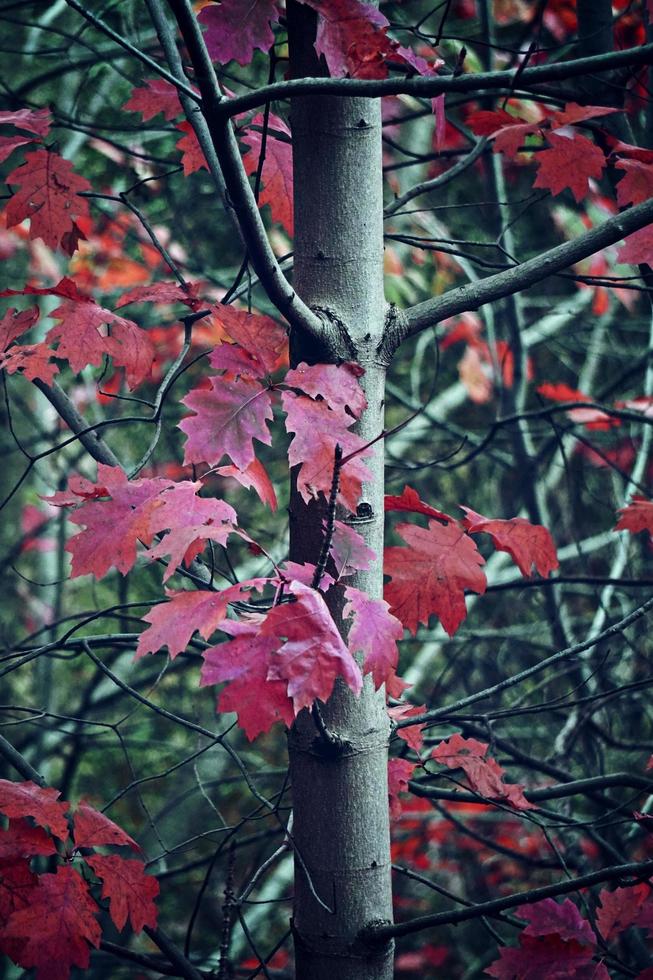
x: 620, y: 908
x: 10, y: 143
x: 244, y: 662
x: 26, y: 799
x: 31, y: 120
x: 163, y: 293
x: 561, y: 919
x: 636, y: 516
x: 529, y: 545
x: 337, y: 384
x: 130, y: 890
x: 155, y: 96
x: 569, y: 163
x: 229, y: 415
x: 484, y: 774
x: 48, y: 196
x: 172, y: 623
x: 310, y: 652
x: 400, y: 771
x: 637, y: 183
x: 253, y: 476
x: 58, y: 927
x: 234, y: 31
x: 92, y: 828
x: 262, y: 339
x: 276, y: 173
x: 317, y: 430
x: 430, y: 576
x: 349, y: 552
x: 374, y: 633
x: 410, y: 500
x: 21, y: 840
x: 546, y: 958
x: 411, y: 734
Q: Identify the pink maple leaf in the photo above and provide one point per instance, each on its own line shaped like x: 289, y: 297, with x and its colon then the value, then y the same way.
x: 638, y: 247
x: 563, y: 920
x: 254, y: 475
x: 527, y: 544
x: 337, y: 384
x: 234, y: 31
x: 637, y: 184
x: 546, y: 958
x: 192, y: 155
x: 311, y: 653
x: 162, y: 292
x: 244, y: 662
x: 374, y: 633
x: 262, y: 339
x: 174, y: 622
x: 317, y: 430
x: 349, y: 552
x: 31, y: 120
x: 430, y: 576
x: 228, y: 417
x: 131, y: 892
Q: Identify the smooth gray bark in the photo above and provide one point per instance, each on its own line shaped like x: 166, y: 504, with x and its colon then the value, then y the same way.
x: 341, y: 826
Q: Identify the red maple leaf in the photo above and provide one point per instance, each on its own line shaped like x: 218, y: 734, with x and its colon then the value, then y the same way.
x: 411, y: 734
x: 81, y: 338
x: 244, y: 662
x: 484, y: 774
x: 92, y: 828
x: 48, y: 196
x: 410, y: 500
x: 26, y: 799
x: 374, y: 633
x: 234, y: 31
x: 317, y: 430
x: 591, y: 418
x: 174, y: 622
x: 620, y: 908
x: 508, y: 131
x: 262, y: 339
x: 162, y: 292
x: 637, y: 184
x: 17, y: 884
x: 546, y: 958
x: 310, y: 652
x: 638, y: 247
x: 399, y: 772
x: 32, y: 360
x: 114, y: 527
x: 228, y: 417
x: 66, y: 288
x: 636, y: 516
x: 21, y: 840
x: 430, y: 576
x: 353, y: 38
x: 563, y: 920
x: 192, y: 156
x: 155, y: 96
x: 276, y: 173
x: 529, y: 545
x: 569, y: 162
x: 55, y: 931
x: 131, y: 892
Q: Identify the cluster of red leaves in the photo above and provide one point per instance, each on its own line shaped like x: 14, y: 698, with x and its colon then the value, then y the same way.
x: 49, y: 921
x: 566, y: 158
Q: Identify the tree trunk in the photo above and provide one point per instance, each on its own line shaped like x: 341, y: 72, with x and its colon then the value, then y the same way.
x: 341, y: 827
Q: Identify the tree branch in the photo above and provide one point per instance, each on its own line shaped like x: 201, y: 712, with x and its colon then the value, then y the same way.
x: 379, y: 934
x: 241, y: 196
x: 436, y: 85
x: 473, y: 295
